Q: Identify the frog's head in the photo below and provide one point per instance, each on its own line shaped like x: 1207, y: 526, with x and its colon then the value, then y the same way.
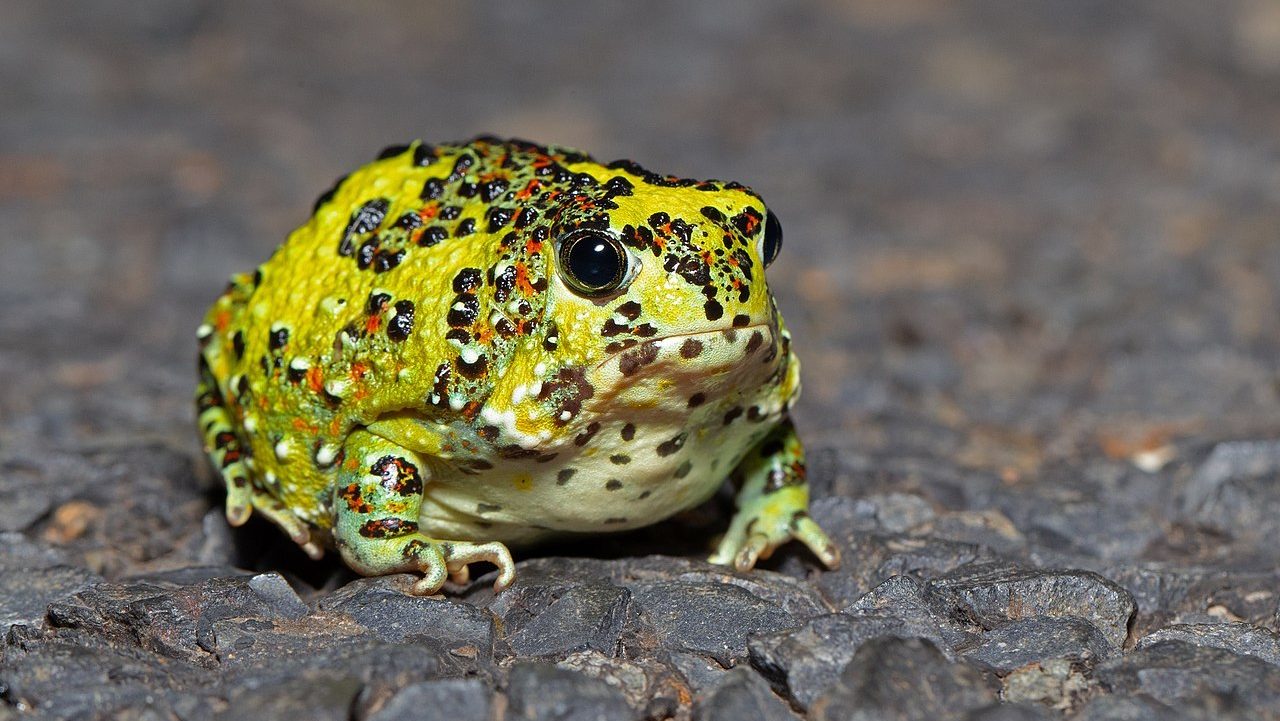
x: 658, y: 299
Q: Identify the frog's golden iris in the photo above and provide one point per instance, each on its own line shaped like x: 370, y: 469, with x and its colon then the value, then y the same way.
x: 470, y: 345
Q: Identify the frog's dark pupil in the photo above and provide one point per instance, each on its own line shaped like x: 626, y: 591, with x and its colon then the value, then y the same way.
x: 595, y: 262
x: 772, y: 238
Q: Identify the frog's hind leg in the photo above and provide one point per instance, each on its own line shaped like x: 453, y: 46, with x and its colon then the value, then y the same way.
x: 376, y: 504
x: 231, y: 457
x: 223, y: 447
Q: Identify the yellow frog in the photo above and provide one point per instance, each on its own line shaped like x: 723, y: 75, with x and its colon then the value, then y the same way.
x: 488, y: 343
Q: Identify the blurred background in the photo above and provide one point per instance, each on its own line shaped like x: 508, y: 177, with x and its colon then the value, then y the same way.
x: 1018, y: 234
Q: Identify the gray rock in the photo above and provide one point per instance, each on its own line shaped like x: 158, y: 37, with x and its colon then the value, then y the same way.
x: 316, y: 696
x: 909, y: 679
x: 278, y: 594
x: 870, y: 558
x: 1167, y: 592
x: 257, y: 653
x: 1228, y: 462
x: 1057, y: 682
x: 174, y: 621
x: 714, y: 619
x: 803, y: 662
x: 76, y: 678
x: 29, y: 591
x: 18, y: 552
x: 742, y: 696
x: 384, y: 606
x: 1136, y: 708
x: 542, y: 692
x: 456, y: 699
x: 583, y: 617
x: 905, y: 597
x: 1034, y: 640
x: 700, y: 672
x: 1011, y: 712
x: 1240, y: 638
x: 650, y: 684
x: 991, y: 595
x: 1181, y: 674
x: 23, y: 500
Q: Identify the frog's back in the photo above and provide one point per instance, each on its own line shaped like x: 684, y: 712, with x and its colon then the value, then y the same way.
x: 323, y: 336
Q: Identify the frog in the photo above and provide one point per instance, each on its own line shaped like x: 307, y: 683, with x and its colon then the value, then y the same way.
x: 474, y: 346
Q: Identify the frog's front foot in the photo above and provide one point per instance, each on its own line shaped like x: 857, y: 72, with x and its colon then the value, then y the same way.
x: 376, y: 527
x: 773, y: 506
x: 760, y: 528
x: 437, y: 561
x: 458, y: 555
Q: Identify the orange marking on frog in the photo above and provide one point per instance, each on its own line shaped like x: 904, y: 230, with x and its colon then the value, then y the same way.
x: 528, y: 190
x: 315, y: 379
x: 300, y: 424
x: 522, y: 279
x: 358, y: 370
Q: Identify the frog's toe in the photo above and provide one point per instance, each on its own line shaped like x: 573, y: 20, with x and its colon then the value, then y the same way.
x: 433, y: 567
x: 460, y: 575
x: 807, y: 531
x: 757, y: 546
x: 461, y: 554
x: 314, y: 549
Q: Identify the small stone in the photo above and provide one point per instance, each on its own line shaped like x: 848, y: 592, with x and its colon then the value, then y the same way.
x: 584, y: 617
x: 904, y: 597
x: 315, y: 696
x: 646, y: 683
x: 895, y: 678
x: 992, y: 595
x: 804, y: 661
x: 1177, y: 673
x: 74, y: 678
x: 29, y: 591
x: 542, y: 692
x: 1011, y: 712
x: 384, y: 606
x: 1040, y: 639
x: 1055, y: 682
x: 276, y: 592
x: 713, y: 619
x: 742, y: 696
x: 870, y: 558
x: 1129, y: 708
x: 172, y: 620
x: 1240, y: 638
x: 458, y: 699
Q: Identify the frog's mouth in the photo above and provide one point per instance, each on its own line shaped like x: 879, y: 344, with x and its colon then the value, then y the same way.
x: 705, y: 364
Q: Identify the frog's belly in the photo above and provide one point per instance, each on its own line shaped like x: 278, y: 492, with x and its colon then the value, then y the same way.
x: 596, y: 491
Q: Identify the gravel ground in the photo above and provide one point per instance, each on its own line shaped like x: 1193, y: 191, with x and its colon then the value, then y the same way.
x: 1031, y: 267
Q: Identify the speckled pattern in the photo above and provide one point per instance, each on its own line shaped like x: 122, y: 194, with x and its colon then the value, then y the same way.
x: 1030, y: 271
x: 494, y: 342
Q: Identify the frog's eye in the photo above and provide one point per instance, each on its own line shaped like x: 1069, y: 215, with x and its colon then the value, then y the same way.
x: 772, y: 239
x: 593, y: 264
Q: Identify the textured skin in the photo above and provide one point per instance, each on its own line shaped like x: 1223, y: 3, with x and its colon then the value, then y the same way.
x: 409, y: 378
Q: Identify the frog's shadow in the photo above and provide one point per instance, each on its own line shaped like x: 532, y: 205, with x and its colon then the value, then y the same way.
x: 260, y: 546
